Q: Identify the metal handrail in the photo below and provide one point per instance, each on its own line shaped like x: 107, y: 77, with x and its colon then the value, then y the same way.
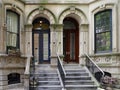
x: 95, y: 65
x: 61, y: 70
x: 61, y: 64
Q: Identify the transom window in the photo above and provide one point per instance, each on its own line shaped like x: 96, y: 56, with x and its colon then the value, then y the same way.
x: 103, y: 31
x: 41, y: 24
x: 12, y: 20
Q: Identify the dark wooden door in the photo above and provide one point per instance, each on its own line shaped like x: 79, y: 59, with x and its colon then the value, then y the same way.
x: 71, y: 46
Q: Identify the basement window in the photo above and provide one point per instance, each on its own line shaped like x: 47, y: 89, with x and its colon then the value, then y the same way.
x: 13, y: 78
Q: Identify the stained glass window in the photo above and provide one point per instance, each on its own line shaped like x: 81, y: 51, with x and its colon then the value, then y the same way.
x: 12, y: 20
x: 103, y: 30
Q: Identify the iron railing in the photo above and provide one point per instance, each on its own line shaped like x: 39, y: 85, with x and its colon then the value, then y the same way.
x: 97, y: 72
x: 61, y: 70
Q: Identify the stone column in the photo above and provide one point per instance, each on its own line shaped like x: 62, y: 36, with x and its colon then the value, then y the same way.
x: 59, y: 32
x: 22, y: 36
x: 118, y: 25
x: 84, y: 41
x: 28, y: 51
x: 53, y: 45
x: 28, y: 40
x: 56, y: 42
x: 26, y: 82
x: 2, y: 29
x: 3, y: 39
x: 3, y: 74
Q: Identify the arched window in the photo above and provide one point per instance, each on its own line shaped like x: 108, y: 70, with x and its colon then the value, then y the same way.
x: 12, y: 20
x: 103, y: 31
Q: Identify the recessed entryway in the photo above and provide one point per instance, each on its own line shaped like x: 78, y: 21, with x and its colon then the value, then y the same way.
x: 41, y: 40
x: 70, y: 40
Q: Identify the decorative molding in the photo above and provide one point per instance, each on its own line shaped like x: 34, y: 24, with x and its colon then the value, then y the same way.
x: 102, y: 7
x: 75, y: 11
x: 72, y: 9
x: 41, y: 11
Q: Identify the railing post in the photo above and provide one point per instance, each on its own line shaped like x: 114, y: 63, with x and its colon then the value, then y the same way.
x: 26, y: 81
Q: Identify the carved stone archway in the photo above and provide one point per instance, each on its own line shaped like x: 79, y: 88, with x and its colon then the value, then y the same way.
x: 83, y: 28
x: 76, y: 11
x: 41, y: 12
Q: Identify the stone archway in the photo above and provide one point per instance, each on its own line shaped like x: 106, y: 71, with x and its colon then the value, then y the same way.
x: 76, y: 11
x: 82, y: 20
x: 43, y: 13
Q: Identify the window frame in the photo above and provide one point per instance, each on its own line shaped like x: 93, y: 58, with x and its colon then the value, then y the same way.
x: 110, y: 31
x: 17, y: 33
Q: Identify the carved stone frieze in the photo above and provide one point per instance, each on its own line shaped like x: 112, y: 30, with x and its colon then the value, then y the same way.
x: 107, y: 59
x: 12, y: 61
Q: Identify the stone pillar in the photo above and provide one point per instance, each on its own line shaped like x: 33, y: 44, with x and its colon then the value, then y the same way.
x: 84, y: 41
x: 59, y: 32
x: 3, y: 39
x: 2, y: 29
x: 28, y: 40
x: 118, y: 25
x: 56, y: 42
x: 26, y: 82
x: 53, y: 45
x: 22, y: 36
x: 3, y: 74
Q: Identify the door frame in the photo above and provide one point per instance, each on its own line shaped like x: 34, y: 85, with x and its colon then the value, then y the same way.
x: 76, y: 31
x: 41, y: 32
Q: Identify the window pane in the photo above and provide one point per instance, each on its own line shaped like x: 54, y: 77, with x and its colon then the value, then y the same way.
x: 103, y: 28
x: 12, y: 20
x: 45, y: 49
x: 72, y: 46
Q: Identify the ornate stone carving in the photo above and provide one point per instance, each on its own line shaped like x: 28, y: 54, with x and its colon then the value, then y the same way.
x: 41, y: 9
x: 72, y: 9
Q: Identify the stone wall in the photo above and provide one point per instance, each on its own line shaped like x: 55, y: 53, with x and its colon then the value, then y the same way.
x: 8, y: 65
x: 109, y: 63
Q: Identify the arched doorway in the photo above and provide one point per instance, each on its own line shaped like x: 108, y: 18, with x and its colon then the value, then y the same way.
x: 70, y: 40
x: 41, y: 40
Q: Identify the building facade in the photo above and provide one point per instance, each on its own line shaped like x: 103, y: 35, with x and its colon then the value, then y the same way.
x: 44, y: 28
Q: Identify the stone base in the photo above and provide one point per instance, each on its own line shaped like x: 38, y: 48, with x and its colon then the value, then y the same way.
x: 54, y: 61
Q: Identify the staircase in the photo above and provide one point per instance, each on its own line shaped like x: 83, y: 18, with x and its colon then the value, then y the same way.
x: 47, y: 78
x: 78, y: 78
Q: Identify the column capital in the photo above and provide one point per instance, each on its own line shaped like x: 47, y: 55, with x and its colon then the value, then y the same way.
x: 84, y: 27
x: 28, y: 27
x: 56, y: 27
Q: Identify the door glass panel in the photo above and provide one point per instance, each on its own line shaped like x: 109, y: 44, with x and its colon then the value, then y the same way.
x: 72, y: 46
x: 36, y: 46
x: 45, y: 47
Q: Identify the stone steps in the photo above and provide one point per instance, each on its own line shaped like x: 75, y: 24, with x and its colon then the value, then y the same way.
x: 78, y: 78
x: 47, y: 78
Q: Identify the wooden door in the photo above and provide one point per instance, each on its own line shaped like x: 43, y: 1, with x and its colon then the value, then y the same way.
x: 71, y: 46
